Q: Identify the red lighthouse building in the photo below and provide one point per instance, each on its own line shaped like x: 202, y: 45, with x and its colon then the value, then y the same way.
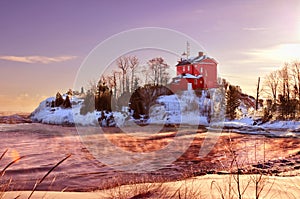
x: 195, y: 73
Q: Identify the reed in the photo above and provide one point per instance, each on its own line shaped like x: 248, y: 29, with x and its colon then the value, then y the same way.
x: 4, y: 186
x: 45, y: 176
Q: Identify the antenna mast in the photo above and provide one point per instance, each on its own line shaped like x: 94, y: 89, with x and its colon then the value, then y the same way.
x: 187, y: 50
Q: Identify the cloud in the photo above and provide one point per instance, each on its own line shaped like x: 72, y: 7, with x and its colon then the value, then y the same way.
x: 37, y: 59
x: 254, y: 29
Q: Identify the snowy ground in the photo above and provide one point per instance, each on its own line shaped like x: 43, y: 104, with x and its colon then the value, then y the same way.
x: 272, y: 128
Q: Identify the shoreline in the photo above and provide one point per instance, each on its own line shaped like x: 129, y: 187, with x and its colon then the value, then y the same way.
x: 235, y: 125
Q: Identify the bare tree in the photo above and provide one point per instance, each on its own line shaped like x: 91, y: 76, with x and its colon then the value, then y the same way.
x: 159, y: 70
x: 145, y: 71
x: 123, y: 64
x: 134, y: 62
x: 284, y: 86
x: 296, y: 77
x: 285, y: 81
x: 92, y: 86
x: 272, y: 83
x: 287, y: 106
x: 112, y: 82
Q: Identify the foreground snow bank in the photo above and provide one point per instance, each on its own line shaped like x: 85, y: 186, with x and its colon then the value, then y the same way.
x: 273, y: 187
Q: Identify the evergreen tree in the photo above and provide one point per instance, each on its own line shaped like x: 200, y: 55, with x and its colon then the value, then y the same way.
x: 58, y: 100
x: 67, y: 103
x: 232, y: 101
x: 103, y: 97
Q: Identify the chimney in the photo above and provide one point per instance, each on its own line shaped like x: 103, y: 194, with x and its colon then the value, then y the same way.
x: 200, y: 54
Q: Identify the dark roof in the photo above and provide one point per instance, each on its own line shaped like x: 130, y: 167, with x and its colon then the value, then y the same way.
x: 194, y: 60
x: 183, y: 62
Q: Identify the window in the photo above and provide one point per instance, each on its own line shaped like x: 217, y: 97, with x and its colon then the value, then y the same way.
x: 188, y: 67
x: 183, y: 68
x: 195, y: 81
x: 201, y: 70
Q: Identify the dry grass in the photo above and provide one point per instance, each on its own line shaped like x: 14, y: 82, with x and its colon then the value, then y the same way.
x: 5, y: 185
x: 209, y: 186
x: 135, y: 191
x: 45, y: 176
x: 188, y: 190
x: 237, y: 184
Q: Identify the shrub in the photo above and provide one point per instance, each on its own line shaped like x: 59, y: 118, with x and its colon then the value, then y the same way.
x: 145, y: 97
x: 88, y: 104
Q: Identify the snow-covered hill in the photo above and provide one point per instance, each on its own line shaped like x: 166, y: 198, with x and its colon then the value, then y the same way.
x: 46, y: 114
x: 185, y: 108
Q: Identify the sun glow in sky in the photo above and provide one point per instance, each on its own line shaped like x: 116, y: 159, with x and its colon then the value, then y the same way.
x: 287, y: 52
x: 42, y: 44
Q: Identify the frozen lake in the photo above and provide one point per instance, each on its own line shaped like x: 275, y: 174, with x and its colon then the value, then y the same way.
x: 45, y: 145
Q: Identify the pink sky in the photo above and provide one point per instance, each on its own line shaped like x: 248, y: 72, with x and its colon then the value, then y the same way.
x: 43, y: 43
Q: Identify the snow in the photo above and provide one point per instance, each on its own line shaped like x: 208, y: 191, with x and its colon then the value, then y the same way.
x: 171, y: 109
x: 244, y: 122
x: 184, y: 108
x: 46, y: 114
x: 283, y: 125
x: 189, y: 76
x: 197, y: 59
